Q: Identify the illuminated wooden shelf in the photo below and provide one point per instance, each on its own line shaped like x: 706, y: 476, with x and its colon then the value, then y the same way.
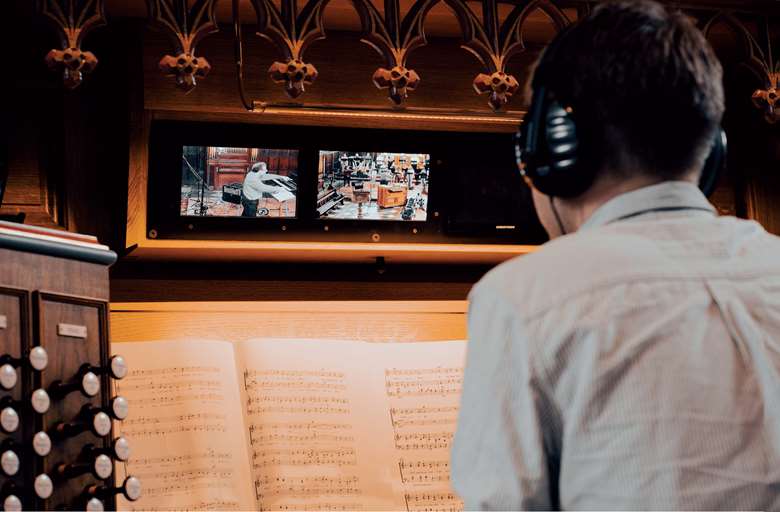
x: 330, y: 252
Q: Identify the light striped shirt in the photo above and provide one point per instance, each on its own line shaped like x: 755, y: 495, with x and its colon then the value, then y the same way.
x: 632, y: 365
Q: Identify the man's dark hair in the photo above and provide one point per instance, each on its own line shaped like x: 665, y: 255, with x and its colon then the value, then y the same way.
x: 645, y: 87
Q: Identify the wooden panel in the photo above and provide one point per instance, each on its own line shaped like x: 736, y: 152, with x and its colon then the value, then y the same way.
x: 66, y: 355
x: 53, y: 274
x: 31, y: 178
x: 24, y: 273
x: 369, y: 321
x: 763, y: 202
x: 14, y: 328
x: 15, y: 341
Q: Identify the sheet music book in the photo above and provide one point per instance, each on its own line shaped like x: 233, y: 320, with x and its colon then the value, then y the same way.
x: 282, y: 194
x: 291, y: 424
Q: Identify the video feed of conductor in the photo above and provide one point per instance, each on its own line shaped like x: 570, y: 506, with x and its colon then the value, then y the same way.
x: 238, y: 182
x: 373, y: 186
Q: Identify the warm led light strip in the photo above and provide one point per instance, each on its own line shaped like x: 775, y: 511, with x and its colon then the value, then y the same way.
x: 259, y: 108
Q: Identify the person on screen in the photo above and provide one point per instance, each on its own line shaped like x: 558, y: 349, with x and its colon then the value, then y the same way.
x: 253, y: 189
x: 633, y: 362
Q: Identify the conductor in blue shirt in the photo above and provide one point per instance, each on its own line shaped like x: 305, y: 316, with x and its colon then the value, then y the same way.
x: 633, y: 362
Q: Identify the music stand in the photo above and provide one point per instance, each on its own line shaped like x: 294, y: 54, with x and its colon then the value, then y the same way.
x: 201, y: 202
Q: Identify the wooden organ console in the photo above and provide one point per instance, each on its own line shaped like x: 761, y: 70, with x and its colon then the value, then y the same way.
x: 57, y: 449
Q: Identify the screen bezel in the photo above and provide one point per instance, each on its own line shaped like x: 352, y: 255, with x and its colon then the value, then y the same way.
x: 167, y: 139
x: 297, y: 179
x: 384, y: 221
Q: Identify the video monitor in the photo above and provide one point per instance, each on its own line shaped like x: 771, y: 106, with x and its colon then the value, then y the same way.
x: 373, y: 186
x: 238, y: 182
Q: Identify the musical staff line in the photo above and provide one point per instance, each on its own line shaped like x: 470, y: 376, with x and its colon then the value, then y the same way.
x: 216, y: 457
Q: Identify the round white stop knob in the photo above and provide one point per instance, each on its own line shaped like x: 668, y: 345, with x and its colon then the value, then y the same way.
x: 38, y: 358
x: 40, y: 401
x: 118, y: 367
x: 43, y: 486
x: 12, y: 504
x: 9, y: 419
x: 8, y: 376
x: 41, y: 444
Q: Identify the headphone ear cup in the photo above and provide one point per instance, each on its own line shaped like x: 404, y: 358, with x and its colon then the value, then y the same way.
x: 562, y: 173
x: 715, y: 164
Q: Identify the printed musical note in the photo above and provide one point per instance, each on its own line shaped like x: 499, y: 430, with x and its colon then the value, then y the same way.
x: 185, y: 427
x: 433, y: 502
x: 306, y: 487
x: 176, y: 418
x: 424, y: 471
x: 304, y: 457
x: 423, y: 415
x: 201, y: 505
x: 423, y: 440
x: 218, y: 458
x: 423, y: 384
x: 313, y: 506
x: 178, y: 429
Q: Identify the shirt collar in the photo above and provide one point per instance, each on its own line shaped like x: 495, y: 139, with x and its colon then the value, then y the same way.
x: 668, y: 195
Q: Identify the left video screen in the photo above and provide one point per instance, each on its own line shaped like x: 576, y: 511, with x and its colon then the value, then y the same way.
x: 239, y: 182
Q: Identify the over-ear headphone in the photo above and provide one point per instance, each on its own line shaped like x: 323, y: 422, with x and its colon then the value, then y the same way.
x: 547, y: 146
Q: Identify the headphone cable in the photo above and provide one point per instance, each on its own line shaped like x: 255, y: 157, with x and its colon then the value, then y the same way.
x: 557, y: 216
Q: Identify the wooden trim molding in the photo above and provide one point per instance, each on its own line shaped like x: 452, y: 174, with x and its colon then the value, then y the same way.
x: 322, y: 252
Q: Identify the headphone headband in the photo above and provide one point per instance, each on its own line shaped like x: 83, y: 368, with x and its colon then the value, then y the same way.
x: 547, y: 145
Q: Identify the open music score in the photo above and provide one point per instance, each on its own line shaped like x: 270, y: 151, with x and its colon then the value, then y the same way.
x: 187, y: 431
x: 423, y: 414
x: 308, y: 425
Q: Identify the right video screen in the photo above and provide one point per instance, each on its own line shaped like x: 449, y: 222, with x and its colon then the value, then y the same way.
x: 373, y: 186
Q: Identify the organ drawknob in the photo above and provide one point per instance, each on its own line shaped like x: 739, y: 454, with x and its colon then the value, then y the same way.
x: 119, y: 450
x: 41, y: 444
x: 43, y: 486
x: 9, y: 494
x: 119, y: 408
x: 40, y: 401
x: 130, y: 489
x: 8, y: 377
x: 94, y: 505
x: 117, y: 368
x: 86, y: 382
x: 100, y: 467
x: 9, y: 419
x: 90, y: 418
x: 9, y: 462
x: 37, y: 359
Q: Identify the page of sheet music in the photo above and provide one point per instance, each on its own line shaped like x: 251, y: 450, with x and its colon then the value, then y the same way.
x: 185, y: 427
x: 342, y: 425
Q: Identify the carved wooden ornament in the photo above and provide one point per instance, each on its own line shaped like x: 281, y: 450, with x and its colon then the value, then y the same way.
x: 394, y: 38
x: 186, y: 27
x: 761, y: 64
x: 493, y: 44
x: 291, y: 32
x: 73, y: 20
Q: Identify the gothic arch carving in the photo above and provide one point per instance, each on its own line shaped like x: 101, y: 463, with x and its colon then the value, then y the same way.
x: 761, y: 64
x: 493, y: 43
x: 185, y: 27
